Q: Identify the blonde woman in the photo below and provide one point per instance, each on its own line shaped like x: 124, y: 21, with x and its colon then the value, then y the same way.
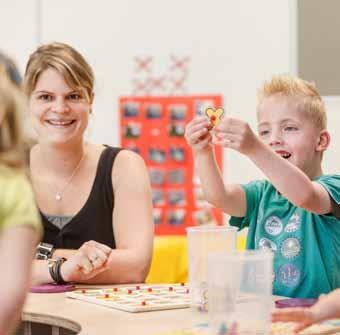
x: 95, y: 201
x: 20, y: 225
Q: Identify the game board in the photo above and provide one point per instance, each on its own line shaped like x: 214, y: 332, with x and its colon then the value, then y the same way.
x: 137, y: 298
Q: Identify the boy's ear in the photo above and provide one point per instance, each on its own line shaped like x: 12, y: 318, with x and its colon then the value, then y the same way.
x: 324, y: 140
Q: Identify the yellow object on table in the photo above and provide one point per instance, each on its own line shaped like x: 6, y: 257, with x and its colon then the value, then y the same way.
x: 170, y: 259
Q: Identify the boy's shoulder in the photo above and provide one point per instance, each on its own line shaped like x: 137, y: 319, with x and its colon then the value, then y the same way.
x: 331, y: 183
x: 328, y: 177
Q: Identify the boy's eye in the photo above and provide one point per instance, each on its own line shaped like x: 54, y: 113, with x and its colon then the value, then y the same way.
x: 263, y: 132
x: 290, y: 128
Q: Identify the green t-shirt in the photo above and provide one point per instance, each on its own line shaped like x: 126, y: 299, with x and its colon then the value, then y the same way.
x: 17, y: 204
x: 306, y: 245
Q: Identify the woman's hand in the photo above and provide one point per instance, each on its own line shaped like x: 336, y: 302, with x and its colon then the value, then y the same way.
x: 90, y: 260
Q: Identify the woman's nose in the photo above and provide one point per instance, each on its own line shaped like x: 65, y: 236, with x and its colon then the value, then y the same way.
x: 61, y: 106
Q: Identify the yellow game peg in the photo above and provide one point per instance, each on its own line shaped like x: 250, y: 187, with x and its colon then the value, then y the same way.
x: 214, y: 116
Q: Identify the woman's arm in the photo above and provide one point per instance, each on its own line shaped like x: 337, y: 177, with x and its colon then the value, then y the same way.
x: 82, y: 264
x: 132, y: 222
x: 17, y: 247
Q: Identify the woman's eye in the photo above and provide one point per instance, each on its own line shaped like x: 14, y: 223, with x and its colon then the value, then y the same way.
x: 45, y: 97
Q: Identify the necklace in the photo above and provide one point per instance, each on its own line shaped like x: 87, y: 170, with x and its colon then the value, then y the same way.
x: 59, y: 194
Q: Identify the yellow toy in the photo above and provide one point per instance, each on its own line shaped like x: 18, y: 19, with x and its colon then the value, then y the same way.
x: 214, y: 116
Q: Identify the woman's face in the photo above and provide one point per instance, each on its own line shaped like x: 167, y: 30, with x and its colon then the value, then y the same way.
x: 59, y: 113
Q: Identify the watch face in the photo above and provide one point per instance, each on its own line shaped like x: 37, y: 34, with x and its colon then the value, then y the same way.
x: 44, y: 251
x: 39, y: 255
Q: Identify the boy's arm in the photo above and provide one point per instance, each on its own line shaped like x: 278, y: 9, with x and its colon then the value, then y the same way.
x: 290, y: 181
x: 228, y: 197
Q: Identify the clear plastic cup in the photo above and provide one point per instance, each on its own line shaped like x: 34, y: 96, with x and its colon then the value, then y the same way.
x: 240, y: 292
x: 203, y: 240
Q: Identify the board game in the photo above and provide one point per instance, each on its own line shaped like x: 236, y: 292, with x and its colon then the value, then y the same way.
x: 138, y: 298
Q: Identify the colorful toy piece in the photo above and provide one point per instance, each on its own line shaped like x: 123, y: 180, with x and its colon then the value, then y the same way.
x: 214, y: 116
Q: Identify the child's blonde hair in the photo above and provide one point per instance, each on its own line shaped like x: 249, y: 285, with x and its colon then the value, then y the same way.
x: 12, y: 102
x: 302, y: 91
x: 67, y: 61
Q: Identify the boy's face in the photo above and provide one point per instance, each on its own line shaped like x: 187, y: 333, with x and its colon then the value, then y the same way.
x: 290, y: 133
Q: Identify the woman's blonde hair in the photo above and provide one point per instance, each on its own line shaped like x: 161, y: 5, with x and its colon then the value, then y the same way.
x: 12, y: 104
x: 64, y: 59
x: 304, y: 93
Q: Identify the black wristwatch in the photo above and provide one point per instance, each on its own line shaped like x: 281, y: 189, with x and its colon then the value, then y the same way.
x: 44, y: 251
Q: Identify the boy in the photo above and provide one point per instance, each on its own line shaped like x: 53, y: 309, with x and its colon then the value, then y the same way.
x: 295, y: 212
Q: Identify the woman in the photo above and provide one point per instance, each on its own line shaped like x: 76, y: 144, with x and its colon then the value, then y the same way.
x: 84, y: 191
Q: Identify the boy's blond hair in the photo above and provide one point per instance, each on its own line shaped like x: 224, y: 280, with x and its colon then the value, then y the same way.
x: 12, y: 102
x: 302, y: 92
x: 65, y: 60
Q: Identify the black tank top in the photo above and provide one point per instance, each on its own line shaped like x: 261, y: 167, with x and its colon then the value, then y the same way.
x: 94, y: 220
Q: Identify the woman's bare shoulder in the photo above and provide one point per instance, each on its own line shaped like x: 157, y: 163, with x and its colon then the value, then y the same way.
x: 126, y: 158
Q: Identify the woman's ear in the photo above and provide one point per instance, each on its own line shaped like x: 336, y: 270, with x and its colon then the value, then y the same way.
x: 91, y: 102
x: 92, y: 98
x: 324, y: 140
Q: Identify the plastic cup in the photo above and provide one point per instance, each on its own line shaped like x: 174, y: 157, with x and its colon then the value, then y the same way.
x: 202, y: 241
x: 240, y: 292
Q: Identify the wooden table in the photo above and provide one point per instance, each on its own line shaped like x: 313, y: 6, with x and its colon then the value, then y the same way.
x: 79, y: 317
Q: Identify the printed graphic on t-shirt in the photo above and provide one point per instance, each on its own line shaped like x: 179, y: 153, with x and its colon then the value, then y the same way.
x: 290, y: 247
x: 293, y: 223
x: 273, y: 226
x: 289, y: 275
x: 266, y: 244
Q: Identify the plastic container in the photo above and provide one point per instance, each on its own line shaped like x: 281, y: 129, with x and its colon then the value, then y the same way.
x: 240, y: 292
x: 202, y: 241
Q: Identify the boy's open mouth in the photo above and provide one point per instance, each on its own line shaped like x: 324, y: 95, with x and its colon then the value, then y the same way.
x: 283, y: 154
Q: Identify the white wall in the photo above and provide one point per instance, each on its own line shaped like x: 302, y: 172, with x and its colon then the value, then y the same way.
x: 234, y: 46
x: 18, y: 29
x: 331, y: 161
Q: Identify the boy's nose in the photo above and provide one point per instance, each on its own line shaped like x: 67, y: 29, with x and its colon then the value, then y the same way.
x: 275, y: 139
x: 275, y: 142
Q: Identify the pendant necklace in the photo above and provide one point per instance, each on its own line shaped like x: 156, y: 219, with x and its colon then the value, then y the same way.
x: 59, y: 194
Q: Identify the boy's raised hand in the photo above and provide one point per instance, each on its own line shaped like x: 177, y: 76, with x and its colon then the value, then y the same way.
x: 236, y: 134
x: 197, y: 134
